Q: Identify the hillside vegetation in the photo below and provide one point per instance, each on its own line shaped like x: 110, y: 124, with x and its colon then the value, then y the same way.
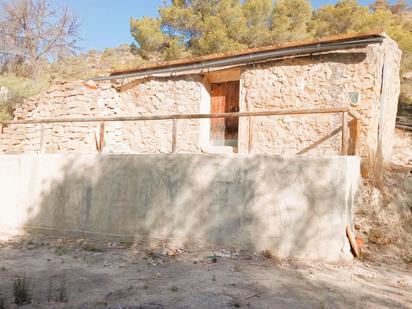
x: 30, y: 61
x: 83, y: 66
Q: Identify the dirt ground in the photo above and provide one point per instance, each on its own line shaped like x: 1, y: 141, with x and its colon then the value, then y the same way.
x: 114, y: 275
x: 69, y: 273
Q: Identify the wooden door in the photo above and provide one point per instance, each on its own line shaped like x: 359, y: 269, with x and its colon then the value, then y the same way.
x: 225, y: 99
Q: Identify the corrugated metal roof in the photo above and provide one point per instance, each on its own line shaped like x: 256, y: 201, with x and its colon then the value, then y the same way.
x: 251, y: 51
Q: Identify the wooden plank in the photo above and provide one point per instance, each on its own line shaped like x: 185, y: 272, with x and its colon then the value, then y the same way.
x: 353, y: 242
x: 250, y: 148
x: 345, y: 135
x: 224, y: 99
x: 357, y: 138
x: 320, y: 141
x: 101, y: 136
x: 399, y: 126
x: 41, y: 138
x: 179, y: 116
x: 354, y: 114
x: 96, y: 141
x: 218, y: 105
x: 354, y: 132
x: 174, y: 135
x: 232, y: 106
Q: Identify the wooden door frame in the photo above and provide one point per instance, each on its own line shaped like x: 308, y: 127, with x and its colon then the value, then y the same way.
x: 225, y: 91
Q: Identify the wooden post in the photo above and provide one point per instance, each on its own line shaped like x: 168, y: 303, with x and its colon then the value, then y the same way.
x: 345, y: 136
x: 250, y: 148
x: 357, y: 137
x: 320, y: 141
x: 41, y: 150
x: 352, y: 241
x: 101, y: 137
x: 174, y: 135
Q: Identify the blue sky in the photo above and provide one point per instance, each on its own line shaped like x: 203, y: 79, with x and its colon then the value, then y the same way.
x: 105, y: 23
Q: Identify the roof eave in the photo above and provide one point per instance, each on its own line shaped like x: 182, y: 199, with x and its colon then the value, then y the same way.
x: 288, y: 49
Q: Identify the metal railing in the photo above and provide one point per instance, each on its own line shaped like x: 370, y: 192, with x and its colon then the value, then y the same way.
x: 343, y: 111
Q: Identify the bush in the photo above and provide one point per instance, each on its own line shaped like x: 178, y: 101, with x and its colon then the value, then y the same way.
x: 405, y: 98
x: 21, y: 291
x: 6, y: 111
x: 23, y: 87
x: 19, y: 88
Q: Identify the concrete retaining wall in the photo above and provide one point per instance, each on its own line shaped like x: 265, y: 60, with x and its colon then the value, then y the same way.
x: 297, y: 206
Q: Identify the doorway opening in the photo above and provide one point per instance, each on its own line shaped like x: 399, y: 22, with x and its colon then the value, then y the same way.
x: 224, y: 99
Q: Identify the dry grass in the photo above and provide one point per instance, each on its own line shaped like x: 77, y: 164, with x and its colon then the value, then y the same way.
x: 267, y: 254
x: 174, y: 288
x: 402, y: 149
x: 22, y: 290
x: 374, y: 169
x: 384, y: 212
x: 2, y: 302
x: 19, y: 88
x: 92, y: 247
x: 58, y: 290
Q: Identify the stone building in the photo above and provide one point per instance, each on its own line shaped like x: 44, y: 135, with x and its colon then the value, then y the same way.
x: 360, y: 72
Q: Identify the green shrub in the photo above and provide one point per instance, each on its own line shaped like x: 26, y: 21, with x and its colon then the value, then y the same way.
x: 22, y: 87
x: 19, y: 88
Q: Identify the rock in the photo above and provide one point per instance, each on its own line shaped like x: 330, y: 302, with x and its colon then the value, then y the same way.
x: 5, y: 94
x: 407, y: 75
x: 90, y: 85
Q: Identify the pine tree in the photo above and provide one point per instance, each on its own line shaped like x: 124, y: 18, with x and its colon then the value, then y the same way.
x: 290, y: 20
x: 198, y: 27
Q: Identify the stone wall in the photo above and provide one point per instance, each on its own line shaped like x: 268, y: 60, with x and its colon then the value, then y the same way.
x: 148, y: 97
x: 295, y: 207
x: 318, y: 82
x: 388, y: 103
x: 315, y: 81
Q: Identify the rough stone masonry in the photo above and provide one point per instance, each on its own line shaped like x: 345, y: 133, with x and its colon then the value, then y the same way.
x: 311, y: 81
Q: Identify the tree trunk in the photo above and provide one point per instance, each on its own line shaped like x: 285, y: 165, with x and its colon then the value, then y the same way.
x: 34, y: 70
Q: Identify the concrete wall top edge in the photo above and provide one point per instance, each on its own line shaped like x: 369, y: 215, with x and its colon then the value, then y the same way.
x: 353, y: 161
x: 223, y: 155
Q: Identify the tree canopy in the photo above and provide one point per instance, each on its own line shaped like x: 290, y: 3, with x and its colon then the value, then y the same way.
x: 31, y: 30
x: 201, y: 27
x: 348, y: 16
x: 198, y: 27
